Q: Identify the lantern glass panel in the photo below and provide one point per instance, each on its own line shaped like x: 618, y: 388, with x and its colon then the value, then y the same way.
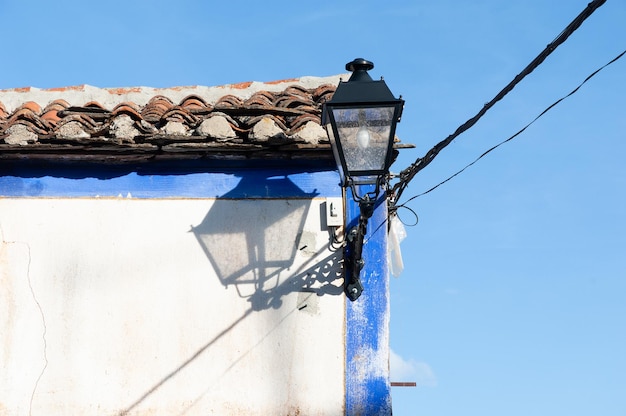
x: 364, y: 136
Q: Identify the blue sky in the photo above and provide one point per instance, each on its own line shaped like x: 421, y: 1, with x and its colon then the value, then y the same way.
x: 513, y: 297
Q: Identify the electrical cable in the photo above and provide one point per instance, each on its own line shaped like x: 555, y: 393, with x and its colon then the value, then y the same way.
x: 409, y: 173
x: 518, y: 133
x: 412, y: 211
x: 335, y: 243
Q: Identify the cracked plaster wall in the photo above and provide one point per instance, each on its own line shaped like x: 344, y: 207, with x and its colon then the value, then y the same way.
x: 111, y: 307
x: 23, y: 329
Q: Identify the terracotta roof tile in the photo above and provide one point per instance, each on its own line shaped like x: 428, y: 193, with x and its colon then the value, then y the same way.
x: 194, y: 103
x: 260, y: 99
x: 29, y: 118
x: 179, y: 114
x: 323, y: 93
x: 156, y: 107
x: 32, y: 106
x: 130, y: 109
x: 141, y: 122
x: 300, y: 121
x: 51, y: 112
x: 94, y: 104
x: 297, y: 90
x: 229, y: 101
x: 87, y: 126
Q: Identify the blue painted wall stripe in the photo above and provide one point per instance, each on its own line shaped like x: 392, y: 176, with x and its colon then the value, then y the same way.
x: 257, y: 183
x: 367, y: 322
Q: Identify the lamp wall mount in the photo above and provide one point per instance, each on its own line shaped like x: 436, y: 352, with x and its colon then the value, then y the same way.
x: 355, y: 241
x: 360, y: 120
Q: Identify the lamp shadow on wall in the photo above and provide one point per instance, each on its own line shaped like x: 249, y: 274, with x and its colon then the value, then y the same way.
x: 252, y: 236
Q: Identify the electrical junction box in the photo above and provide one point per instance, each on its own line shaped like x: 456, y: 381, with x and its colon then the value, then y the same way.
x: 334, y: 212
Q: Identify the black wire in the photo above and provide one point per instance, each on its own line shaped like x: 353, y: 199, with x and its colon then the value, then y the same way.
x: 520, y: 131
x: 412, y: 211
x: 335, y: 243
x: 409, y: 173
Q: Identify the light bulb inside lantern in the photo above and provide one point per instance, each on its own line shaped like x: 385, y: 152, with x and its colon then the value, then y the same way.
x: 363, y: 138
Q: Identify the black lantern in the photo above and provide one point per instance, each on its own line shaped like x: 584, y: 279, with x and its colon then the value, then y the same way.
x: 361, y: 121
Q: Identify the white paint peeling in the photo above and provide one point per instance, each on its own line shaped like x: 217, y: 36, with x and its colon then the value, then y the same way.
x: 374, y: 364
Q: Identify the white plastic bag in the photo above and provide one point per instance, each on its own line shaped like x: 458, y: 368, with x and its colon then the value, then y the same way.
x: 397, y: 233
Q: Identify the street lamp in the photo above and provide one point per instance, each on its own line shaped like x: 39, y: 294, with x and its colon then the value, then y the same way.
x: 360, y: 121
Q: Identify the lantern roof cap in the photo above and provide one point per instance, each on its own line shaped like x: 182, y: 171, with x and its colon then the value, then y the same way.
x: 361, y: 88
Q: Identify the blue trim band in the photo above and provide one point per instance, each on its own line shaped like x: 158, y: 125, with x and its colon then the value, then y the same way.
x: 258, y: 183
x: 368, y: 389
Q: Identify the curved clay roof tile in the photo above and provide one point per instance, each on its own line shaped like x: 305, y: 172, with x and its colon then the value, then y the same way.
x: 31, y: 106
x: 37, y: 126
x: 85, y: 121
x: 58, y: 105
x: 324, y: 93
x: 94, y: 104
x: 293, y: 102
x: 51, y: 116
x: 156, y: 107
x: 129, y: 108
x: 160, y: 100
x: 3, y: 111
x: 300, y: 122
x: 193, y: 102
x: 153, y: 114
x: 50, y: 113
x: 179, y: 114
x: 228, y: 101
x: 299, y: 91
x: 129, y: 104
x: 279, y: 122
x: 259, y: 100
x: 26, y: 115
x: 263, y: 98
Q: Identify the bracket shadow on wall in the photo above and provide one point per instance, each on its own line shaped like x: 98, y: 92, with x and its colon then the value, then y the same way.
x: 252, y: 242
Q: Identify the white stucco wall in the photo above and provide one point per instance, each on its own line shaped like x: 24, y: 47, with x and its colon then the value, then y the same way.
x: 126, y: 306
